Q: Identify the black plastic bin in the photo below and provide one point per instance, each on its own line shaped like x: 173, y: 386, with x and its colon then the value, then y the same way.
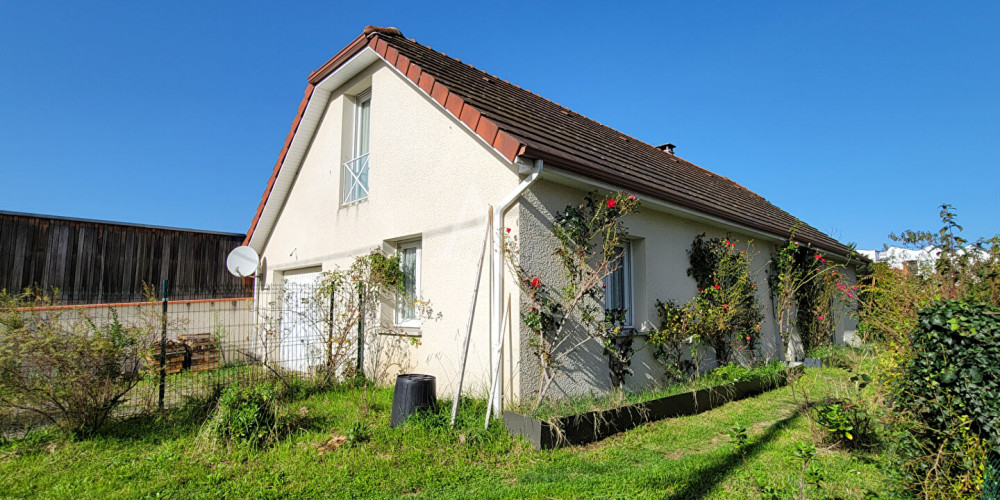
x: 414, y: 392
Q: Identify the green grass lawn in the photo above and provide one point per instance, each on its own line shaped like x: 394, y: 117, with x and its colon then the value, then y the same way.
x: 687, y: 457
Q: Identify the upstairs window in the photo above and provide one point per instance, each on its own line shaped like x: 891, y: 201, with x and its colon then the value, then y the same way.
x: 618, y: 284
x: 407, y: 312
x: 355, y: 174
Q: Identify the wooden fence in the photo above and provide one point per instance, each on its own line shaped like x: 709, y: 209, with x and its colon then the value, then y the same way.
x: 96, y: 261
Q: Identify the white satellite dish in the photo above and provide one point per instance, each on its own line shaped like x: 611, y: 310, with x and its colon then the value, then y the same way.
x: 242, y: 262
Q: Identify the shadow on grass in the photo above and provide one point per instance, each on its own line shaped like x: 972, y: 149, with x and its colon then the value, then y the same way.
x: 703, y: 481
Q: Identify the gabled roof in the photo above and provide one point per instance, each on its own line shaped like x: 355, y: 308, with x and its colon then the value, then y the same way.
x: 517, y: 122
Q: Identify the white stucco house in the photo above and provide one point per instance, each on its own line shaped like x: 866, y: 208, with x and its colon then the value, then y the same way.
x: 397, y: 146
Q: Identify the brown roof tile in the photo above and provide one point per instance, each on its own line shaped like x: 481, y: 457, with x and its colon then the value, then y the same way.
x: 515, y: 121
x: 573, y: 142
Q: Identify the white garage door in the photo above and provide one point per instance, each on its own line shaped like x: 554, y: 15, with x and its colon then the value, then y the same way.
x: 301, y: 321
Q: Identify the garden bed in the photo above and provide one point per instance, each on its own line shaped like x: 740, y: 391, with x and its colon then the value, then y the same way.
x: 593, y: 426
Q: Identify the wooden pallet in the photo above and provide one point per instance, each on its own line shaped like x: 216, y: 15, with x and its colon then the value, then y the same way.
x: 204, y: 367
x: 174, y: 365
x: 176, y: 357
x: 204, y: 353
x: 197, y: 339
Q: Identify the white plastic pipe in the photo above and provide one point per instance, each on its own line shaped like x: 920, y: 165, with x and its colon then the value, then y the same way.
x: 496, y: 311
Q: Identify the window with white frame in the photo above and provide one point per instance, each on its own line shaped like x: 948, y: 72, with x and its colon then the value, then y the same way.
x: 618, y: 284
x: 407, y: 312
x: 355, y: 171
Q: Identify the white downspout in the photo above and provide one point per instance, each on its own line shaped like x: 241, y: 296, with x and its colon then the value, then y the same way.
x: 497, y: 277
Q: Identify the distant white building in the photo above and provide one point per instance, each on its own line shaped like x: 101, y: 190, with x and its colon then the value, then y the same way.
x: 913, y: 259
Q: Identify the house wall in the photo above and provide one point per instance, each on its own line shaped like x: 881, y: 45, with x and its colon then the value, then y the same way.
x: 660, y: 245
x: 430, y: 178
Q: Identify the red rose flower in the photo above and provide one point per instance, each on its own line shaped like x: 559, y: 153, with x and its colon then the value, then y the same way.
x: 611, y: 203
x: 508, y: 229
x: 631, y: 197
x: 717, y: 287
x: 535, y: 282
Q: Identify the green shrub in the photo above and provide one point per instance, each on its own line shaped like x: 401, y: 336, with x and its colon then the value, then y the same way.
x: 948, y: 399
x: 250, y: 415
x: 847, y: 422
x: 677, y: 325
x: 64, y: 367
x: 954, y: 368
x: 357, y: 434
x: 938, y: 463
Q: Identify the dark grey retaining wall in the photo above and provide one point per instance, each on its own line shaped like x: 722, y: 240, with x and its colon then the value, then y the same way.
x: 596, y: 425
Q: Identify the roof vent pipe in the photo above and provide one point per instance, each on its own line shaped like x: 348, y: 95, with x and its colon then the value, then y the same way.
x: 668, y: 147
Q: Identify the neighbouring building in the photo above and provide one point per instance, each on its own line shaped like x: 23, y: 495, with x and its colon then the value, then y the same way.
x: 913, y: 260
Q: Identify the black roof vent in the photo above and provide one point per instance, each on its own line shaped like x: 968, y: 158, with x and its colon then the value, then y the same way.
x: 669, y: 148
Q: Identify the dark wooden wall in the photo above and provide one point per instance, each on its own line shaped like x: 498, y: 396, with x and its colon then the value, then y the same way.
x: 97, y: 261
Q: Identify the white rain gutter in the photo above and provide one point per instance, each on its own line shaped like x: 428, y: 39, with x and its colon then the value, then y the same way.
x: 497, y: 278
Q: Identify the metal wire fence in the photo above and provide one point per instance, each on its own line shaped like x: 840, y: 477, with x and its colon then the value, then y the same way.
x: 205, y: 341
x: 991, y: 479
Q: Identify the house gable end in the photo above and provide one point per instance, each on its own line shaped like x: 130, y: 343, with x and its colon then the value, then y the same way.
x: 505, y: 144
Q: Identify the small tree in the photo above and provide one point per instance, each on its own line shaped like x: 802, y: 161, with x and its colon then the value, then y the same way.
x: 366, y: 293
x: 962, y: 269
x: 565, y: 317
x: 355, y: 295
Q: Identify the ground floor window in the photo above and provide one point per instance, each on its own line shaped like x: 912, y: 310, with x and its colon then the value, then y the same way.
x: 407, y: 312
x: 618, y: 284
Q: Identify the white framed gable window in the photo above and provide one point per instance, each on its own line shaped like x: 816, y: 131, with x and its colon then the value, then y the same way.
x: 407, y: 313
x: 618, y: 284
x: 355, y: 172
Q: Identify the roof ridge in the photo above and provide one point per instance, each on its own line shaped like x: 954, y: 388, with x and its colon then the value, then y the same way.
x: 371, y: 29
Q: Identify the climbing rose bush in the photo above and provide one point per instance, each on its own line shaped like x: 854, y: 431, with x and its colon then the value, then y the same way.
x: 572, y: 314
x: 726, y: 306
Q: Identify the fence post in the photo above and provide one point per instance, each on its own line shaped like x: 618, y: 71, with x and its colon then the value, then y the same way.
x: 361, y: 334
x: 329, y: 336
x: 163, y: 346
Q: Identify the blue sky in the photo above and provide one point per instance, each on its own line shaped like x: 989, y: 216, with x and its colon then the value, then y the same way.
x: 857, y: 117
